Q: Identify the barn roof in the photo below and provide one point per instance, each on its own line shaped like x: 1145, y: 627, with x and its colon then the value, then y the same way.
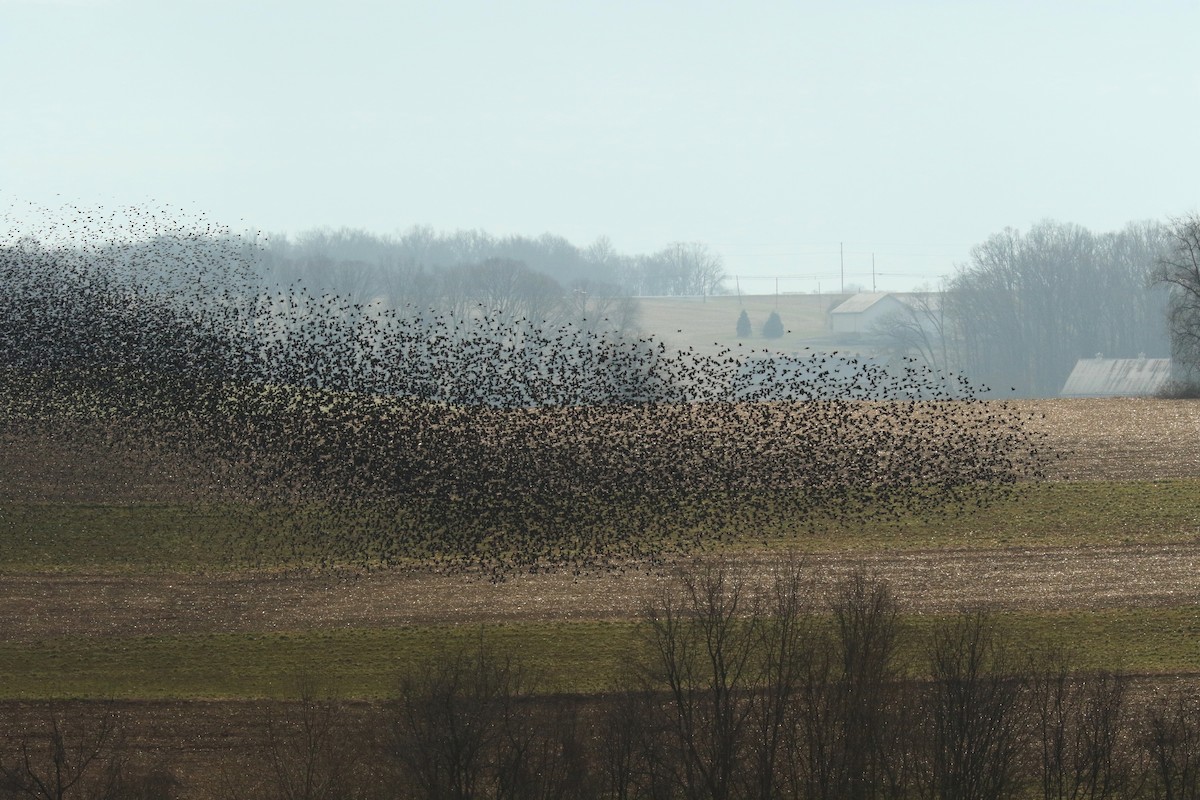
x: 1117, y: 377
x: 859, y: 302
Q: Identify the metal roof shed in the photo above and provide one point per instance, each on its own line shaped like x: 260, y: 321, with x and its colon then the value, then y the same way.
x: 1117, y: 377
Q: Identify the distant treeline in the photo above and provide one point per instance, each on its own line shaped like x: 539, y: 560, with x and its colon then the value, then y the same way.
x: 1026, y: 306
x: 422, y: 266
x: 1017, y: 315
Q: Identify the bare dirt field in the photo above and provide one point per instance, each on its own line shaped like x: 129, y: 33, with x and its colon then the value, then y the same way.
x: 1101, y: 440
x: 1119, y: 439
x: 37, y: 607
x: 1095, y: 439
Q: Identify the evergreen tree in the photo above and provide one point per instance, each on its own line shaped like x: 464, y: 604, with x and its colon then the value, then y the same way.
x: 773, y: 327
x: 743, y: 325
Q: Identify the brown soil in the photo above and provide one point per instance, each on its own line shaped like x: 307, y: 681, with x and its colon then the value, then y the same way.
x: 1100, y: 440
x: 1096, y: 439
x: 1119, y: 439
x: 41, y: 606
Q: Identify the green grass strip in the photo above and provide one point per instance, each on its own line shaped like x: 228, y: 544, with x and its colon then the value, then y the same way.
x: 1044, y: 514
x: 65, y: 537
x: 565, y: 656
x: 352, y: 662
x: 182, y: 538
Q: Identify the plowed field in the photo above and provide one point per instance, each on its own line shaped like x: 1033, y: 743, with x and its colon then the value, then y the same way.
x: 1100, y: 441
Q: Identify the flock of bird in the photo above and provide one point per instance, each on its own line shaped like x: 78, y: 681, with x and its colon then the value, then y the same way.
x: 363, y: 435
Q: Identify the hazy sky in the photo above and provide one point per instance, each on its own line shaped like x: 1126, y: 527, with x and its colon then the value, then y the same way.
x: 771, y: 131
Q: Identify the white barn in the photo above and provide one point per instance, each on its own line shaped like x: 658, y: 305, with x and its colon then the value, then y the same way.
x: 859, y: 313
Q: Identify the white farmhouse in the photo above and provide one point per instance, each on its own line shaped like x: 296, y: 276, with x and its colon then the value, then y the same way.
x: 860, y: 312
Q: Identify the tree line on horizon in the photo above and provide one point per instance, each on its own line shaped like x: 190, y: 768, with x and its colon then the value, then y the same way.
x: 1019, y: 313
x: 422, y: 266
x: 1026, y: 306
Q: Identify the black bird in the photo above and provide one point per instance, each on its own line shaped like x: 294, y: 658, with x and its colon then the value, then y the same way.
x: 460, y: 438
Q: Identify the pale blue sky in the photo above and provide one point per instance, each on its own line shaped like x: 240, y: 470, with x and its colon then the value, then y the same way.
x: 771, y: 131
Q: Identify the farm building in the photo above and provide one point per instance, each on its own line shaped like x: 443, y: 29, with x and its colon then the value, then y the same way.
x: 1117, y: 377
x: 861, y: 311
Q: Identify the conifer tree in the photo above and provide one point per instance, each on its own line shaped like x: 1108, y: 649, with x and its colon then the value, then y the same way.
x: 773, y: 327
x: 743, y: 325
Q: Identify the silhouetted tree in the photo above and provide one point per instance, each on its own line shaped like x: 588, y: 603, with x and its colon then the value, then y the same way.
x: 311, y: 750
x: 773, y: 327
x: 1079, y: 732
x: 1179, y: 269
x: 743, y: 325
x: 467, y: 725
x: 851, y: 718
x: 79, y: 753
x: 974, y: 712
x: 703, y: 647
x: 1172, y: 741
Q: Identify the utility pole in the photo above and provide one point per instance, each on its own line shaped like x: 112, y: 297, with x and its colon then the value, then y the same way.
x: 872, y: 272
x: 842, y: 261
x: 738, y: 284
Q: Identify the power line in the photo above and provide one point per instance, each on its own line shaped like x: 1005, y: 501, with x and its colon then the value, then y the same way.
x: 819, y: 275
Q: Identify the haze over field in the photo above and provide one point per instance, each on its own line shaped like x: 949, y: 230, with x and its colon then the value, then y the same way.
x: 382, y: 383
x: 773, y: 132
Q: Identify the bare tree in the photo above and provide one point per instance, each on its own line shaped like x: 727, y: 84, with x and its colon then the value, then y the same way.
x: 634, y: 756
x: 77, y: 756
x: 599, y: 306
x: 311, y: 751
x: 730, y: 660
x: 682, y: 268
x: 786, y: 642
x: 1179, y: 269
x: 447, y: 726
x: 1027, y: 306
x: 851, y: 711
x: 702, y: 647
x: 974, y: 712
x: 509, y: 289
x: 1080, y: 732
x: 923, y: 330
x: 1172, y: 742
x: 865, y: 614
x: 467, y: 725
